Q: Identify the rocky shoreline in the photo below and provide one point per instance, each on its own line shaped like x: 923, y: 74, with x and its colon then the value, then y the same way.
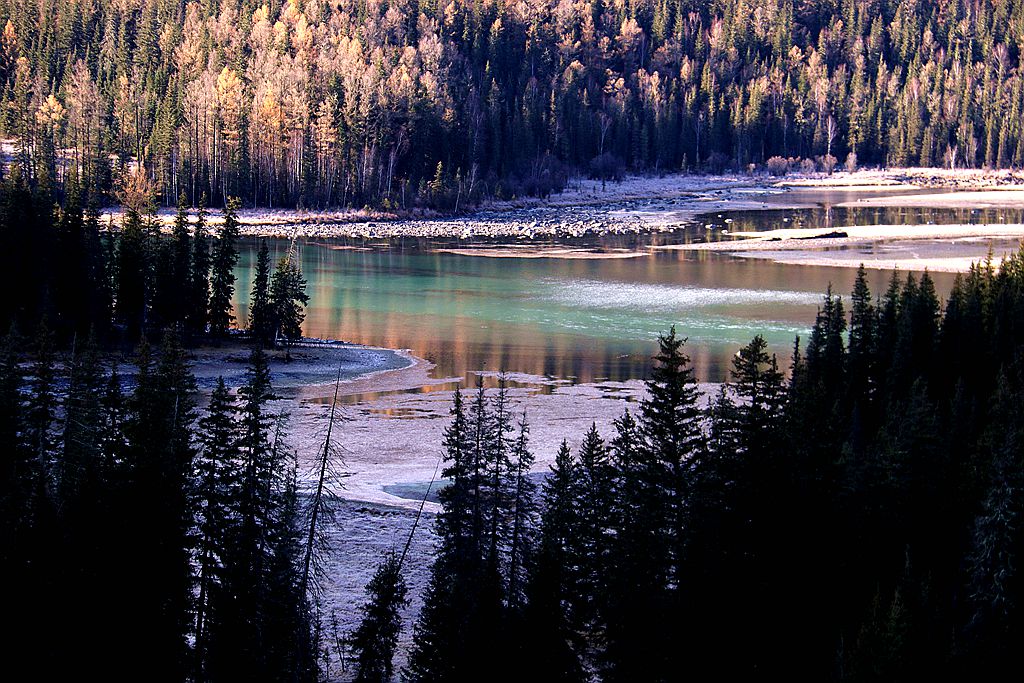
x: 585, y: 208
x: 588, y: 207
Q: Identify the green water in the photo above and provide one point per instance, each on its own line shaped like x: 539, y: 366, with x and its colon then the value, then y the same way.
x: 573, y: 319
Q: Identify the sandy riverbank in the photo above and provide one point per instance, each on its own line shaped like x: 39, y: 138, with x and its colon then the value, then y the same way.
x: 394, y: 411
x: 531, y: 252
x: 1004, y: 198
x: 391, y: 440
x: 908, y: 178
x: 938, y: 248
x: 298, y: 367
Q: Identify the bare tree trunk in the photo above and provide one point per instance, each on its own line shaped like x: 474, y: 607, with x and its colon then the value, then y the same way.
x: 323, y: 467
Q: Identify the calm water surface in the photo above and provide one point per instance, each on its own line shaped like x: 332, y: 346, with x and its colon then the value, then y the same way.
x: 583, y: 320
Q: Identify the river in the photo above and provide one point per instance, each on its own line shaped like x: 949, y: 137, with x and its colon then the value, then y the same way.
x: 579, y: 319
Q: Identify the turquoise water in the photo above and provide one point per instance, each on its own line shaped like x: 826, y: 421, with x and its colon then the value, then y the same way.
x: 575, y: 319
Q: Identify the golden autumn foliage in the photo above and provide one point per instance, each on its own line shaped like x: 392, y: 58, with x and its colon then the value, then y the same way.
x: 357, y: 102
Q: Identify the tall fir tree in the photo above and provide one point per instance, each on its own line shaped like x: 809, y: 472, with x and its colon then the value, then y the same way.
x: 133, y: 281
x: 198, y: 313
x: 287, y: 297
x: 214, y: 502
x: 260, y: 312
x: 222, y: 276
x: 376, y: 638
x: 554, y: 641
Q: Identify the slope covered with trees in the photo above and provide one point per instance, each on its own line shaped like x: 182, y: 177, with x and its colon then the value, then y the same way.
x: 122, y: 286
x: 426, y: 102
x: 145, y: 540
x: 858, y: 520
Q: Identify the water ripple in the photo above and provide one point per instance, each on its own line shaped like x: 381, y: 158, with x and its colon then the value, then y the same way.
x: 581, y: 293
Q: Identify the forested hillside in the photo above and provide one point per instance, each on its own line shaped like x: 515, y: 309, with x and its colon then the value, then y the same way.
x: 431, y: 103
x: 72, y: 282
x: 858, y: 520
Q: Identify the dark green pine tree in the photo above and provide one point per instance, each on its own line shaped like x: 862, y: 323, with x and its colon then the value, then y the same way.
x: 11, y: 417
x: 31, y: 552
x: 760, y: 497
x: 862, y: 342
x: 885, y: 336
x: 222, y: 277
x: 214, y: 498
x: 131, y: 292
x: 670, y: 422
x: 759, y: 387
x: 99, y: 266
x: 179, y: 289
x: 926, y: 317
x: 159, y: 463
x: 136, y: 601
x: 72, y: 279
x: 166, y: 296
x: 716, y: 543
x: 523, y: 522
x: 112, y: 437
x: 723, y: 438
x: 292, y: 626
x: 81, y: 462
x: 594, y: 498
x: 915, y: 494
x: 27, y: 229
x: 480, y: 425
x: 241, y: 645
x: 497, y: 459
x: 257, y: 433
x: 197, y: 315
x: 917, y: 334
x: 260, y: 314
x: 288, y: 297
x: 85, y: 487
x: 995, y: 579
x: 16, y: 465
x: 825, y: 363
x: 443, y: 629
x: 455, y: 526
x: 553, y: 641
x: 375, y: 640
x: 41, y: 410
x: 636, y: 584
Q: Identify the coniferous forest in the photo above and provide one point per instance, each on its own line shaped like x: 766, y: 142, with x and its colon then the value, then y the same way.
x: 854, y: 513
x: 857, y: 518
x: 415, y: 103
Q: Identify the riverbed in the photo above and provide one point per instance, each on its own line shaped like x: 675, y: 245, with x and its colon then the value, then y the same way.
x: 572, y: 319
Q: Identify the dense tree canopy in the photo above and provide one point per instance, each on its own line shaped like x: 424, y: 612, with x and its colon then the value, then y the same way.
x: 123, y: 285
x: 407, y: 102
x: 858, y: 519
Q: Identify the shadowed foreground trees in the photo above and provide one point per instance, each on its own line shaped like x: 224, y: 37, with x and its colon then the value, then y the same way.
x: 160, y: 543
x: 131, y: 282
x: 858, y: 519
